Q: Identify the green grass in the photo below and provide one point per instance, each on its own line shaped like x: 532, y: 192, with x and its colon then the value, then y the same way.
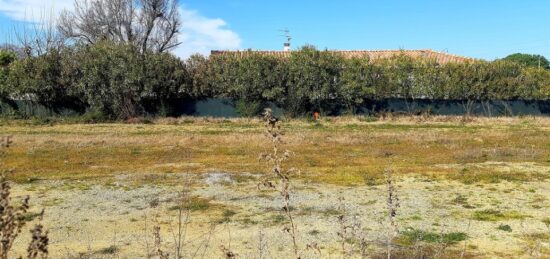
x: 411, y: 236
x: 111, y: 250
x: 227, y: 216
x: 496, y: 215
x: 30, y: 216
x: 193, y: 204
x: 277, y: 219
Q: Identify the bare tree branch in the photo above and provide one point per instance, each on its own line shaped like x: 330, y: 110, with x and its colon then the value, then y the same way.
x: 149, y: 25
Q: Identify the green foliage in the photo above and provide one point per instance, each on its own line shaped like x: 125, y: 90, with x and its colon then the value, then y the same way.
x: 506, y: 228
x: 496, y: 215
x: 6, y: 58
x: 411, y: 236
x: 313, y: 81
x: 400, y: 72
x: 360, y: 80
x: 44, y: 80
x: 253, y: 78
x: 165, y: 80
x: 537, y: 61
x: 249, y: 108
x: 116, y: 81
x: 120, y: 82
x: 198, y: 82
x: 112, y: 79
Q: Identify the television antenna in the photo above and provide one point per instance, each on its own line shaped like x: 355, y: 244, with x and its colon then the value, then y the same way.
x: 286, y: 34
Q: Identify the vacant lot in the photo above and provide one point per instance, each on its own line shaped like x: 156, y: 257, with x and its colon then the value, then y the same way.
x: 476, y: 189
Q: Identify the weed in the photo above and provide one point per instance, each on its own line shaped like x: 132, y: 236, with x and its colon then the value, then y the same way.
x: 228, y: 213
x: 248, y: 221
x: 277, y: 219
x: 30, y: 216
x: 193, y: 204
x: 111, y: 250
x: 314, y: 232
x: 276, y: 159
x: 496, y: 215
x: 506, y: 228
x: 415, y: 217
x: 410, y: 236
x: 226, y: 216
x: 392, y: 203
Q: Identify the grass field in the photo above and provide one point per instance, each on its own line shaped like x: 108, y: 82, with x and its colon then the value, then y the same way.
x: 476, y: 189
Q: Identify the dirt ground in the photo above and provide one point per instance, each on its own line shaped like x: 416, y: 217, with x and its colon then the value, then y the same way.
x: 476, y: 190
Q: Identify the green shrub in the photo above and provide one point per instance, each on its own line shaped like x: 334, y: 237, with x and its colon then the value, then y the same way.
x: 120, y: 82
x: 411, y: 236
x: 496, y: 215
x: 506, y: 228
x: 249, y: 108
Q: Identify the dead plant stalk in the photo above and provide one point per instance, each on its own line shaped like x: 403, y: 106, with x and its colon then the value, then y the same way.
x: 276, y: 159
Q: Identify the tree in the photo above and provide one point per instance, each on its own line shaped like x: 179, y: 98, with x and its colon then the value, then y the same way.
x: 120, y: 83
x: 360, y: 80
x: 165, y: 81
x: 402, y: 82
x: 198, y: 68
x: 529, y: 60
x: 251, y: 80
x: 6, y: 58
x: 145, y: 24
x: 314, y: 80
x: 112, y: 79
x: 536, y: 84
x: 16, y: 50
x: 44, y: 80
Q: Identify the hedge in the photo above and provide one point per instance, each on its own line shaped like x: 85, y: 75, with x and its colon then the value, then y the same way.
x: 120, y: 82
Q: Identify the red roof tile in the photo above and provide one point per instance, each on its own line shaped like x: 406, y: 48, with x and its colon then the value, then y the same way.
x: 440, y: 57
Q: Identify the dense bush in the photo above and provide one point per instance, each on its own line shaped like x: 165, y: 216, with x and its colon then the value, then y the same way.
x: 120, y: 82
x: 114, y: 80
x: 313, y: 81
x: 45, y: 80
x: 255, y: 80
x: 6, y: 58
x: 529, y: 60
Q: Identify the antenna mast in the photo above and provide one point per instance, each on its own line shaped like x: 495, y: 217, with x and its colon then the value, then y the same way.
x: 286, y: 34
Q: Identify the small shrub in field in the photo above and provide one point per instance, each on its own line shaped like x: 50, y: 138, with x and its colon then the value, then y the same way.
x: 506, y: 228
x: 111, y: 250
x: 496, y: 215
x: 249, y: 108
x: 410, y: 236
x: 226, y: 216
x: 193, y: 204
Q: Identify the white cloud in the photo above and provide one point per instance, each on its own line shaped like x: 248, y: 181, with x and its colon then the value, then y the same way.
x: 199, y: 34
x: 33, y: 10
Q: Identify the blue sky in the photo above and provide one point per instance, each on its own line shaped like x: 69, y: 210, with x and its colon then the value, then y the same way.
x: 483, y: 29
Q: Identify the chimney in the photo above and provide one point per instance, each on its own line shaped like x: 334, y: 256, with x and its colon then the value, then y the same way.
x: 286, y: 46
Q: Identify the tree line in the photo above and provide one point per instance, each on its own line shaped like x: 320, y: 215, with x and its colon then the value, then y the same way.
x: 119, y: 80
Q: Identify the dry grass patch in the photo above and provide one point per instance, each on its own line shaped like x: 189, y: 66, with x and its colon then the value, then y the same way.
x: 344, y: 151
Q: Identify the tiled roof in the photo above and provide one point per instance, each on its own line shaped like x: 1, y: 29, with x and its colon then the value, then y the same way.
x: 440, y: 57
